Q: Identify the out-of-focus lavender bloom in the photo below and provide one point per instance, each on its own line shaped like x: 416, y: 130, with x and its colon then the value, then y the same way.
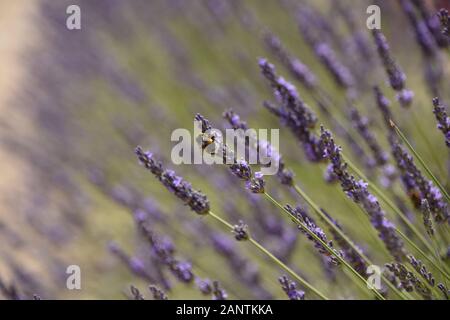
x: 207, y: 287
x: 358, y: 192
x: 164, y: 250
x: 157, y: 293
x: 361, y: 124
x: 312, y: 227
x: 442, y: 119
x: 293, y: 112
x: 423, y: 35
x: 245, y: 271
x: 136, y: 293
x: 240, y: 231
x: 395, y: 74
x: 445, y: 21
x: 10, y: 292
x: 323, y: 50
x: 426, y: 212
x: 135, y: 264
x: 196, y: 200
x: 432, y: 22
x: 290, y: 288
x: 299, y: 70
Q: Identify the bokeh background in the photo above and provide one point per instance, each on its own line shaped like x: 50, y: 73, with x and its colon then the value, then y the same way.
x: 74, y: 104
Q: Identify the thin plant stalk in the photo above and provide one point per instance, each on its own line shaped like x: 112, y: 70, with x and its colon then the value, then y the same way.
x: 272, y: 257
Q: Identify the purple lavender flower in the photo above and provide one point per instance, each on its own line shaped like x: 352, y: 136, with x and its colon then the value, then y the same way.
x: 157, y: 293
x: 308, y: 223
x: 341, y: 74
x: 442, y: 119
x: 422, y: 270
x: 293, y: 112
x: 298, y: 70
x: 444, y: 290
x: 358, y: 192
x: 240, y: 231
x: 218, y: 292
x: 395, y: 74
x: 423, y: 35
x: 445, y: 21
x: 417, y: 182
x: 426, y: 213
x: 164, y: 250
x: 285, y: 175
x: 136, y: 293
x: 182, y: 189
x: 239, y: 167
x: 290, y: 288
x: 408, y: 280
x: 361, y: 124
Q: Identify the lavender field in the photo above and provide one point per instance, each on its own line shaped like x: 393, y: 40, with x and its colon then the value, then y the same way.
x: 94, y: 206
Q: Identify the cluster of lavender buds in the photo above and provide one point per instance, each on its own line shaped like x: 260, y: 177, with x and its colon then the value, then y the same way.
x: 442, y: 119
x: 445, y: 22
x: 285, y: 175
x: 395, y: 74
x: 351, y: 255
x: 239, y: 167
x: 358, y: 192
x: 309, y: 223
x: 293, y: 112
x: 426, y: 212
x: 408, y: 280
x: 427, y: 190
x: 182, y: 189
x: 290, y: 288
x: 421, y: 269
x: 136, y: 293
x: 157, y: 293
x: 240, y: 231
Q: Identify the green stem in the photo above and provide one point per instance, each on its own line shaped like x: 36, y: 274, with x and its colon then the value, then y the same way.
x: 273, y: 258
x: 323, y: 244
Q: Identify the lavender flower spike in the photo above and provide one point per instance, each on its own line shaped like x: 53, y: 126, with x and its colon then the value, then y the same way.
x: 359, y: 193
x: 290, y: 288
x: 442, y: 119
x: 157, y: 293
x: 182, y: 189
x: 395, y: 74
x: 445, y: 22
x: 293, y: 111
